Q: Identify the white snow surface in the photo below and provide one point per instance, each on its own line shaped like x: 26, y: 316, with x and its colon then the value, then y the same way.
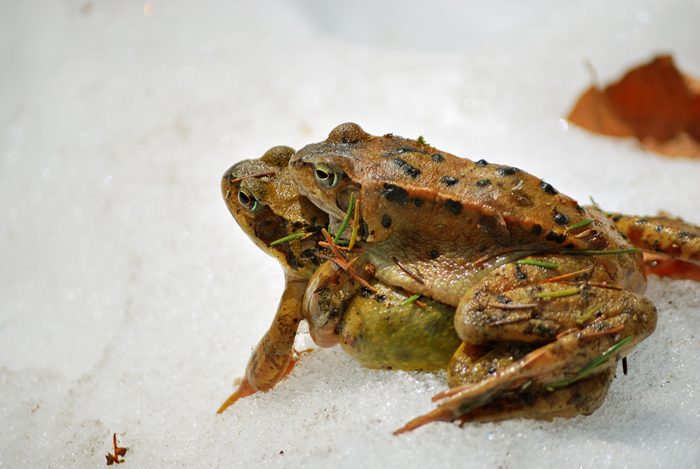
x: 130, y: 300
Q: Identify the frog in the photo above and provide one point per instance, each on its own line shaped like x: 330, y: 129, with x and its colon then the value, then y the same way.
x: 519, y: 261
x: 377, y: 328
x: 265, y: 218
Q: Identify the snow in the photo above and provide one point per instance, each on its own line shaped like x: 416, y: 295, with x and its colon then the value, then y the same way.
x: 130, y: 300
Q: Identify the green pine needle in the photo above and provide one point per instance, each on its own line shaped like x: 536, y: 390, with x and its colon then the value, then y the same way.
x: 287, y: 238
x: 410, y: 300
x: 592, y: 365
x: 346, y: 219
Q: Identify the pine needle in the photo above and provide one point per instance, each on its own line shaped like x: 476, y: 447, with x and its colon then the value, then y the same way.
x: 287, y: 238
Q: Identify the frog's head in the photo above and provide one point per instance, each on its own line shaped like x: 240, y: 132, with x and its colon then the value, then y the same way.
x: 325, y: 172
x: 329, y: 172
x: 267, y: 205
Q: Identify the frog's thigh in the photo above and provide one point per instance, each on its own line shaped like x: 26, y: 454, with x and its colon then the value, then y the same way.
x: 500, y: 309
x: 582, y: 397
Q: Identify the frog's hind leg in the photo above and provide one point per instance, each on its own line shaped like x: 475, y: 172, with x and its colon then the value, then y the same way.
x: 471, y: 364
x: 581, y: 397
x: 588, y: 329
x: 671, y: 246
x: 661, y: 234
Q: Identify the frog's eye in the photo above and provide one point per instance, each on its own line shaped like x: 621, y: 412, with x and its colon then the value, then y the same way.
x: 247, y: 200
x: 325, y: 175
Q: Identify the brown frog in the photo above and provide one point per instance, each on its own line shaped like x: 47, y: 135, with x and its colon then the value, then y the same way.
x: 521, y: 262
x: 267, y: 216
x: 376, y: 327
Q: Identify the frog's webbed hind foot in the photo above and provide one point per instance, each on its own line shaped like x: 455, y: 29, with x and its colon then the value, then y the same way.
x: 246, y: 386
x: 581, y: 397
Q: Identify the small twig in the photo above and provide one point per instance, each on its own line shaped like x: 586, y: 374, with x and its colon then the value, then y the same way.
x: 117, y: 452
x: 341, y: 248
x: 561, y: 277
x: 414, y: 276
x: 598, y: 253
x: 258, y: 175
x: 340, y: 260
x: 603, y: 333
x: 605, y: 285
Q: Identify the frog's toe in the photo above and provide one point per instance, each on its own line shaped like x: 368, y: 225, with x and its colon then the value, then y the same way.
x: 438, y: 415
x: 246, y: 388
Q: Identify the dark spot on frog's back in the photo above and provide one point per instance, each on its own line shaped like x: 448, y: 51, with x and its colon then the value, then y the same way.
x: 557, y: 238
x: 483, y: 183
x: 434, y: 253
x: 536, y: 230
x: 394, y: 193
x: 407, y: 169
x: 418, y: 201
x: 548, y: 188
x: 438, y: 158
x: 453, y: 206
x: 481, y: 163
x: 560, y: 218
x: 400, y: 150
x: 449, y: 181
x: 386, y: 221
x: 506, y: 171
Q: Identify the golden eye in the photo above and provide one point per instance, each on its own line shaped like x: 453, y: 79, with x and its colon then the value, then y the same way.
x: 325, y: 175
x: 247, y: 200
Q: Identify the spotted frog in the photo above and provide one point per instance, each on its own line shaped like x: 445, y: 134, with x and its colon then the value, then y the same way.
x: 521, y: 262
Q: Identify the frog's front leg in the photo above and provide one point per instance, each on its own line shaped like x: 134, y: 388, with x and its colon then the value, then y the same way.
x: 273, y: 358
x: 586, y: 327
x: 327, y: 295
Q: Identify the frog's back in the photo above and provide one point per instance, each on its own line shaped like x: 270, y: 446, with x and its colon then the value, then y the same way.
x: 441, y: 202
